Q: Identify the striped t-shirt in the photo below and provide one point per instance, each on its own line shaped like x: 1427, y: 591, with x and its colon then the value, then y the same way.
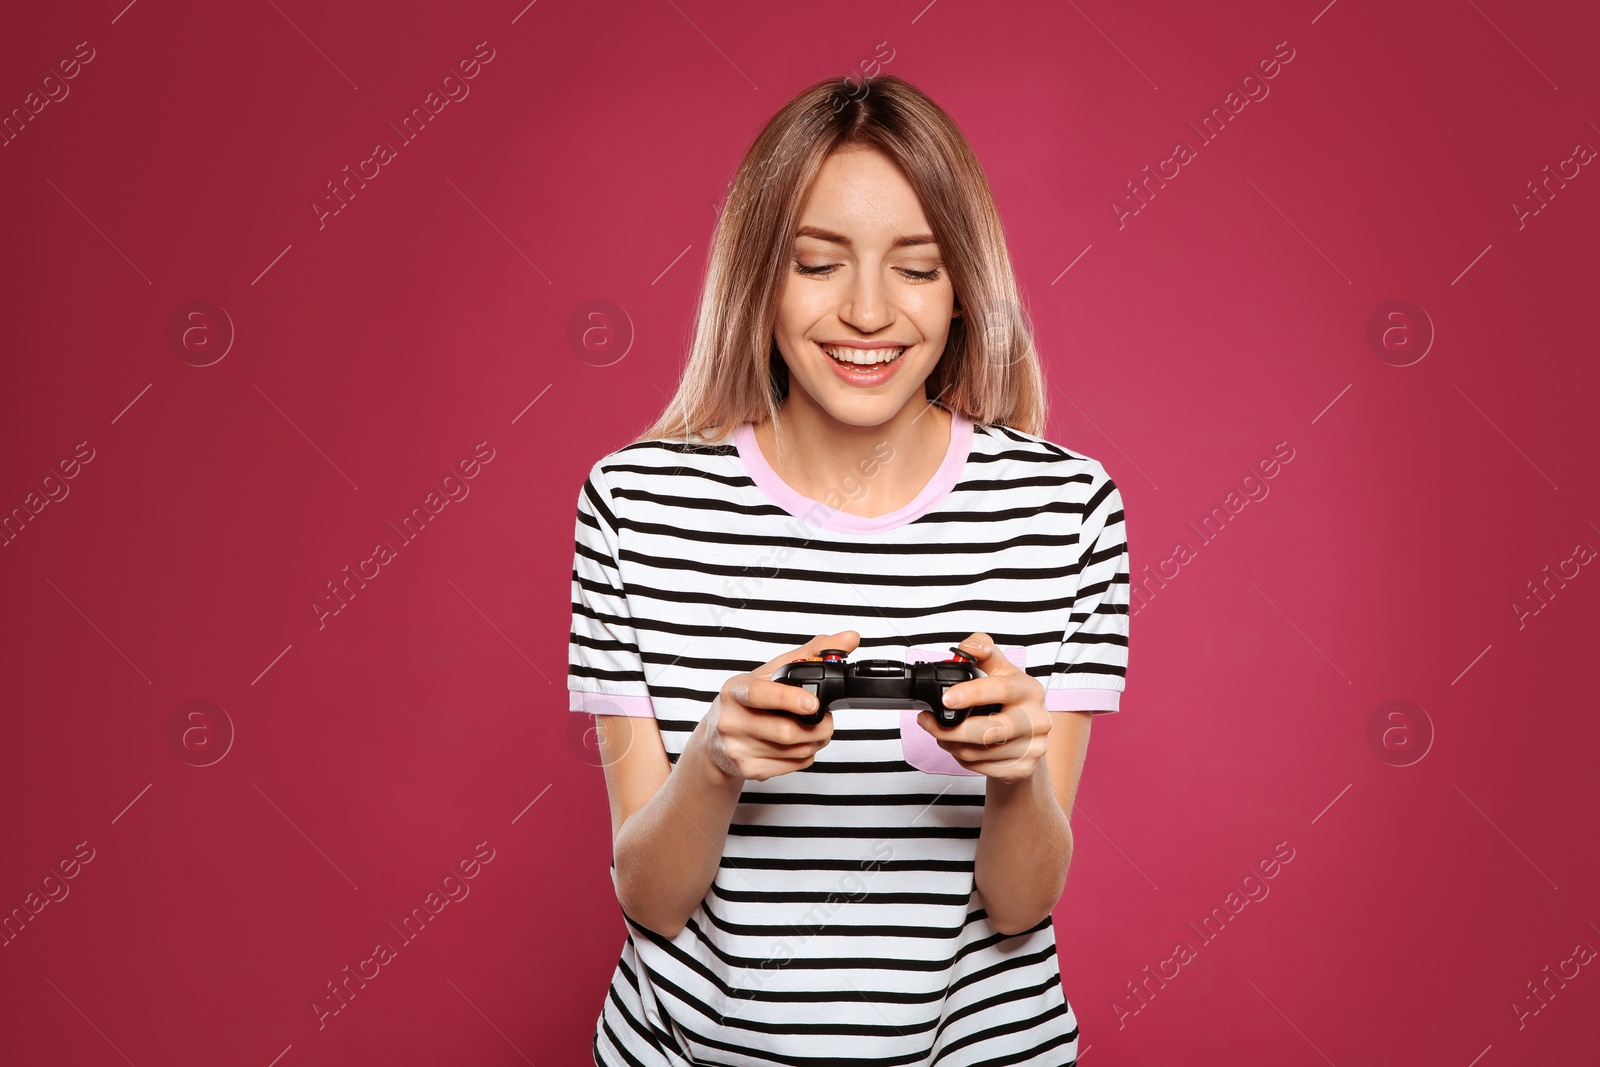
x: 843, y: 924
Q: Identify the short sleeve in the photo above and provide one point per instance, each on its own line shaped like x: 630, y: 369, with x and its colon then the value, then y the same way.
x: 605, y: 673
x: 1091, y: 669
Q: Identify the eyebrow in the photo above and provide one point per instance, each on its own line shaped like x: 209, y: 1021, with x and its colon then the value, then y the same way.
x: 840, y: 239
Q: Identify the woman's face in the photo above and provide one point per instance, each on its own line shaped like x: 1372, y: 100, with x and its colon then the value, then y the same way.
x: 865, y: 280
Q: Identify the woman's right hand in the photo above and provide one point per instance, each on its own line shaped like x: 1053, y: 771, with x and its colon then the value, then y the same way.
x: 746, y: 740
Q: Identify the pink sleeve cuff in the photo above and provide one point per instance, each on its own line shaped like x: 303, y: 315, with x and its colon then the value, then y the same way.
x: 1079, y: 699
x: 609, y: 704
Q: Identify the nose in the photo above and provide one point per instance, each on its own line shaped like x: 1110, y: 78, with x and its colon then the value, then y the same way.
x: 866, y: 304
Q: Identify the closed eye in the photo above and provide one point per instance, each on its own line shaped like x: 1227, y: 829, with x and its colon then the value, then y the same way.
x: 823, y: 271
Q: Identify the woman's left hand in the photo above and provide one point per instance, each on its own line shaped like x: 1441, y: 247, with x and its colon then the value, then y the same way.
x: 1009, y: 744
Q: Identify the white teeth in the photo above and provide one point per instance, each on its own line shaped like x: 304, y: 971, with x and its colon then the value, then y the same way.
x: 863, y: 357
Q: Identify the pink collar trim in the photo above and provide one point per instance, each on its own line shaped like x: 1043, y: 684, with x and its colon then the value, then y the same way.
x: 820, y: 514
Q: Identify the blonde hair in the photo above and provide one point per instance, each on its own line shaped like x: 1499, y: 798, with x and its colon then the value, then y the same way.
x: 734, y: 373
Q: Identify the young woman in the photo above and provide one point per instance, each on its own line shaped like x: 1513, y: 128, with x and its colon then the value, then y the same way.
x: 852, y: 461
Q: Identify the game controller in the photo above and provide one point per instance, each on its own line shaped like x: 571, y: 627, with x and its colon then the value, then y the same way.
x: 881, y: 683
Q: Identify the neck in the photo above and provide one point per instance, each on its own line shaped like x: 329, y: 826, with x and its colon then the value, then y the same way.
x: 874, y: 469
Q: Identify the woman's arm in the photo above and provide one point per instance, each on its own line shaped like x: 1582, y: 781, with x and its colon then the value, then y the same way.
x: 1025, y: 846
x: 668, y: 822
x: 1033, y: 758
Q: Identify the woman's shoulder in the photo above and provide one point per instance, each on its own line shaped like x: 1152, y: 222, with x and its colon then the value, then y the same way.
x: 1008, y: 448
x: 662, y: 455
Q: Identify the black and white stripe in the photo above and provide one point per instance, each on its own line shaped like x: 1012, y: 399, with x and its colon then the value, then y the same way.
x: 843, y: 925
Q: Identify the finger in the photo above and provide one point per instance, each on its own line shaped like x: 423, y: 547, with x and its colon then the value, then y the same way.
x: 981, y: 647
x: 800, y: 750
x: 788, y: 747
x: 763, y: 694
x: 982, y: 730
x: 989, y: 738
x: 785, y: 730
x: 1000, y: 689
x: 758, y: 691
x: 766, y: 669
x: 987, y: 761
x: 845, y: 640
x: 760, y: 769
x: 999, y: 757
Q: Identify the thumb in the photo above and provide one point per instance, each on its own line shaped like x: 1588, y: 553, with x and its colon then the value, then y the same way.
x: 845, y: 640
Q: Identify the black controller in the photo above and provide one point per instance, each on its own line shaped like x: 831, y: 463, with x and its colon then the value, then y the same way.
x: 882, y: 683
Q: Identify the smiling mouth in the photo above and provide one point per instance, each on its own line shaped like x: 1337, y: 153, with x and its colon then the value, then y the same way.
x: 862, y: 357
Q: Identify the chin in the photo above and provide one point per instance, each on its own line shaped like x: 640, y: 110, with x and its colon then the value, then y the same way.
x: 861, y: 409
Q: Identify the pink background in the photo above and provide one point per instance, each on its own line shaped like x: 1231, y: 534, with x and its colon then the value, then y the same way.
x: 374, y: 753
